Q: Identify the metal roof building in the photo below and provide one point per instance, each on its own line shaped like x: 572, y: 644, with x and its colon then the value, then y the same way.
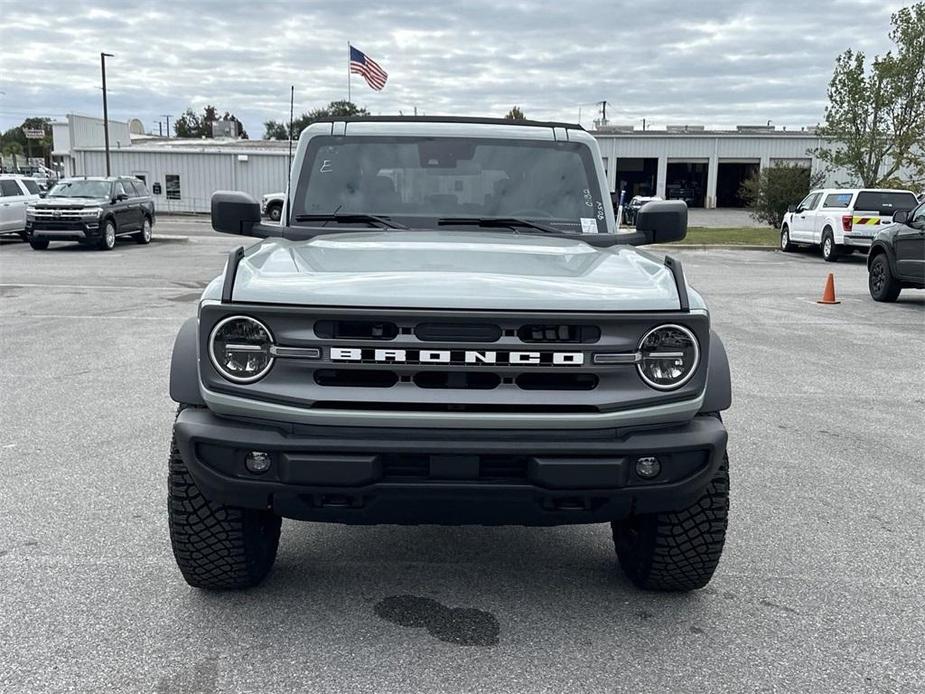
x: 704, y: 167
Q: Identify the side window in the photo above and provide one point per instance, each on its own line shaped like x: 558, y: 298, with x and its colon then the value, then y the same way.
x: 172, y: 183
x: 118, y: 189
x: 31, y: 186
x: 809, y: 202
x: 140, y: 188
x: 9, y: 188
x: 840, y: 200
x: 918, y: 217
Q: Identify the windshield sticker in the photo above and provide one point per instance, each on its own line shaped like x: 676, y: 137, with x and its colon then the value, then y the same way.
x: 326, y: 166
x: 588, y: 225
x: 589, y: 200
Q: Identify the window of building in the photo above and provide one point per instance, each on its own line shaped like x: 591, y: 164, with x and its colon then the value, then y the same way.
x: 172, y: 183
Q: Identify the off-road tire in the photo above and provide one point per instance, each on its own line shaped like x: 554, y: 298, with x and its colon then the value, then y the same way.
x: 144, y: 236
x: 274, y: 212
x: 38, y: 244
x: 217, y: 547
x: 107, y: 241
x: 785, y: 244
x: 830, y: 251
x: 676, y: 551
x: 880, y: 281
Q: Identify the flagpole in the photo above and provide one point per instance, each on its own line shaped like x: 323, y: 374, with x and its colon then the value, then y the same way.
x: 348, y: 71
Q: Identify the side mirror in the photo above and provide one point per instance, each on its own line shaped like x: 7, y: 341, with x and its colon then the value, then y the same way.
x: 120, y: 197
x: 234, y: 212
x: 792, y: 208
x: 661, y: 221
x: 901, y: 216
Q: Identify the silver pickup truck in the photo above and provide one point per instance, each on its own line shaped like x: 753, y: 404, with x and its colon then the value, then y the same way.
x: 444, y: 327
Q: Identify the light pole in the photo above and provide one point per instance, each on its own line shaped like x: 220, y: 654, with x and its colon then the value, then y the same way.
x: 103, y: 57
x: 168, y: 124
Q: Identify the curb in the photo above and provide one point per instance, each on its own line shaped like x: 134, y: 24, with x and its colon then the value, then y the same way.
x: 710, y: 246
x: 169, y: 238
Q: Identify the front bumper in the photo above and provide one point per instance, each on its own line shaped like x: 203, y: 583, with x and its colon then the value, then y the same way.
x: 352, y: 475
x: 70, y: 230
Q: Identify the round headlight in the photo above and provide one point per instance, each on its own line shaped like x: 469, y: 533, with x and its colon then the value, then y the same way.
x: 240, y: 349
x: 669, y: 357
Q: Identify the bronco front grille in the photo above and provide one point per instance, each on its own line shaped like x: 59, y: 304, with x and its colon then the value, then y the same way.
x: 473, y: 362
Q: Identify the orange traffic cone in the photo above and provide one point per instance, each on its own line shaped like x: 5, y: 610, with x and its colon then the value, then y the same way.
x: 828, y: 294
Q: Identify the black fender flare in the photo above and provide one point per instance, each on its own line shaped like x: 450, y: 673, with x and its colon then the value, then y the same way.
x: 878, y: 248
x: 718, y: 396
x: 184, y: 365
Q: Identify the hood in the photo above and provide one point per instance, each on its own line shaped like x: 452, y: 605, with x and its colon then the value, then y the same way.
x: 67, y: 203
x: 455, y: 270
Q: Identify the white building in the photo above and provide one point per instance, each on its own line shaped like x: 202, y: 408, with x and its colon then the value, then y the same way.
x: 704, y: 167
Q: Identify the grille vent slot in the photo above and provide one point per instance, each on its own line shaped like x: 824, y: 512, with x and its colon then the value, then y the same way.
x: 561, y: 333
x: 556, y: 381
x: 457, y: 332
x: 356, y: 330
x: 463, y: 380
x: 350, y: 378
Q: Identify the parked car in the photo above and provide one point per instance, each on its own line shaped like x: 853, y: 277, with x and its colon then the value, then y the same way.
x: 399, y: 353
x: 841, y: 220
x: 271, y: 205
x: 630, y: 209
x: 92, y: 211
x: 897, y: 256
x: 17, y: 192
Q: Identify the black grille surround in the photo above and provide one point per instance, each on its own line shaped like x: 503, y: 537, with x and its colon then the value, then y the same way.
x: 437, y: 386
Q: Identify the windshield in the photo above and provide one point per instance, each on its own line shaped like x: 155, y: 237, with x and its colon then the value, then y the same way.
x: 80, y: 189
x: 422, y: 179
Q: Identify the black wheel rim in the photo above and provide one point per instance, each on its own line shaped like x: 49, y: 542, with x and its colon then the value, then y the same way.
x: 877, y: 277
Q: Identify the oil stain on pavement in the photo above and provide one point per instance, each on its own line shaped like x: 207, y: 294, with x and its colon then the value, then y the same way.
x: 459, y: 626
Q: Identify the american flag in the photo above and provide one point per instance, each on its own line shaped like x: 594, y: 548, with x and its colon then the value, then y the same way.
x: 362, y: 64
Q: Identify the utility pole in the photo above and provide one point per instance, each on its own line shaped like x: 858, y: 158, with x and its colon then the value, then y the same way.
x: 160, y: 128
x: 168, y: 124
x: 103, y: 57
x: 291, y: 112
x: 604, y: 112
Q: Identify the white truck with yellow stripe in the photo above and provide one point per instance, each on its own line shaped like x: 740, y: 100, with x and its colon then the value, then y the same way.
x: 841, y: 220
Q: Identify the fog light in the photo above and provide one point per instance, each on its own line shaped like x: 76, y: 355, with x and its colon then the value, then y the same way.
x: 648, y: 467
x: 257, y: 462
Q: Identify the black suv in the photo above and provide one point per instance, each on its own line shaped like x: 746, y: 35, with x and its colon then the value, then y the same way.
x: 92, y: 211
x: 897, y: 256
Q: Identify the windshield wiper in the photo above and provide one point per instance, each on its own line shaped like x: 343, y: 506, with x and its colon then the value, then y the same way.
x: 512, y: 222
x: 350, y: 218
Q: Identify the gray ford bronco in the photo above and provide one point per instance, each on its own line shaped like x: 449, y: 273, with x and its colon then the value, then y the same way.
x: 445, y: 327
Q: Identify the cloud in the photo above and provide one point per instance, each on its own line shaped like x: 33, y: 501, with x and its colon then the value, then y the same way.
x: 719, y: 63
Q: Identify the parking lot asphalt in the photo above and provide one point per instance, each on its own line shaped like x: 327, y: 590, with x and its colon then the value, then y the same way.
x: 821, y: 587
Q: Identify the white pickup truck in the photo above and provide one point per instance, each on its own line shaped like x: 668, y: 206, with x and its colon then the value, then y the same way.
x: 271, y: 205
x: 841, y: 220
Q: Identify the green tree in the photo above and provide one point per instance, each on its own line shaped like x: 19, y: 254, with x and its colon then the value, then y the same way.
x: 875, y: 122
x: 769, y: 192
x: 14, y: 141
x: 274, y: 130
x: 192, y: 124
x: 335, y: 109
x: 515, y: 114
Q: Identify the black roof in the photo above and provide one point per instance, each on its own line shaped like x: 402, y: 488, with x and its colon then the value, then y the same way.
x: 451, y: 119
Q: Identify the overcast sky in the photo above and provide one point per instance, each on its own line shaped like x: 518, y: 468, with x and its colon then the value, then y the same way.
x: 718, y: 63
